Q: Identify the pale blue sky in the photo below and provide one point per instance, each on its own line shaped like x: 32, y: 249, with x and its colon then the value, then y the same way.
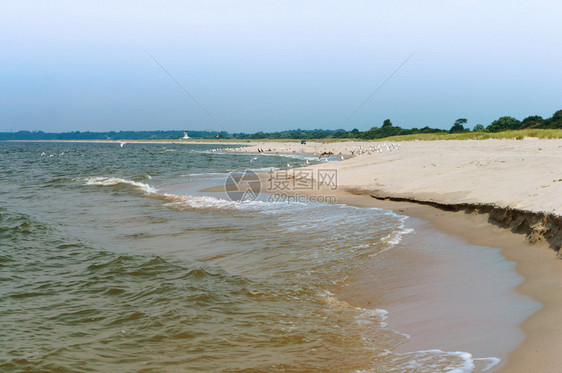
x: 274, y: 65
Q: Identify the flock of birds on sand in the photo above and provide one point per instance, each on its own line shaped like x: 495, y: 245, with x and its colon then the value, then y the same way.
x: 355, y: 151
x: 324, y: 154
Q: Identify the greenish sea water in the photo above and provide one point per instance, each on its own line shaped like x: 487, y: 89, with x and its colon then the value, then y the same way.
x: 112, y: 260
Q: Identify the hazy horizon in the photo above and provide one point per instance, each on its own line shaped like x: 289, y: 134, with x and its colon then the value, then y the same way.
x: 272, y: 66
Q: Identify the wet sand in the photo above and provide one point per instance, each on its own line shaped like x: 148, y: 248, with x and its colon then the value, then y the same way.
x: 536, y: 348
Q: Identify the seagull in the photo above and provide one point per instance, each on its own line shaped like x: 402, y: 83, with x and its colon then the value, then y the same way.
x: 307, y: 162
x: 253, y: 159
x: 122, y: 143
x: 288, y: 165
x: 61, y: 154
x: 185, y: 137
x: 42, y: 154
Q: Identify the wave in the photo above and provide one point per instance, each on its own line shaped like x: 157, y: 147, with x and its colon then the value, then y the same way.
x: 395, y: 237
x: 434, y: 360
x: 206, y: 174
x: 442, y: 361
x: 227, y: 172
x: 16, y: 225
x: 110, y: 181
x: 187, y: 201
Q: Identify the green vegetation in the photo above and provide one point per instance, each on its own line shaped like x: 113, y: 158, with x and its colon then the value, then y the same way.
x: 458, y: 127
x: 111, y: 135
x: 514, y: 134
x: 501, y: 128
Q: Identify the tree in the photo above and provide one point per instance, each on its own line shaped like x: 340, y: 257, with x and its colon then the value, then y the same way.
x: 387, y: 123
x: 458, y: 126
x: 504, y: 124
x: 533, y: 121
x: 556, y: 120
x: 478, y: 128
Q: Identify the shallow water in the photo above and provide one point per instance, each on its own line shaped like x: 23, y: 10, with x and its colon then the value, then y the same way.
x: 111, y: 260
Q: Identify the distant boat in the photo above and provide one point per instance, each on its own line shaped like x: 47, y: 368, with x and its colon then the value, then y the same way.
x: 185, y: 137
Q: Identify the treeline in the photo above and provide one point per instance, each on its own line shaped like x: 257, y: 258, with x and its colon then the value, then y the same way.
x: 510, y: 124
x: 386, y: 130
x: 111, y: 135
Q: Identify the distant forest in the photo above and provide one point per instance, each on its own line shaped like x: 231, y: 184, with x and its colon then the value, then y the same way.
x: 386, y: 130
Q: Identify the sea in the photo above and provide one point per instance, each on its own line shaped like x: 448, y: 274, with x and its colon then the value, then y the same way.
x: 112, y: 259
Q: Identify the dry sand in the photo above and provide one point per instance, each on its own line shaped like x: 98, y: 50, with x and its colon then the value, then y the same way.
x: 515, y: 184
x: 522, y: 174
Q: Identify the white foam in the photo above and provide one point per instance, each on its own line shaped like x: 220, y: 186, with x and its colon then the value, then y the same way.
x: 445, y: 361
x: 109, y: 181
x: 395, y: 237
x: 371, y: 316
x: 206, y: 174
x: 207, y: 202
x: 202, y: 202
x: 264, y: 169
x: 197, y: 202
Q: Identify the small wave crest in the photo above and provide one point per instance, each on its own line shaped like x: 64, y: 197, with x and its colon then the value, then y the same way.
x: 182, y: 201
x: 395, y: 237
x: 207, y: 202
x: 363, y: 315
x: 111, y: 181
x: 434, y: 360
x: 442, y: 361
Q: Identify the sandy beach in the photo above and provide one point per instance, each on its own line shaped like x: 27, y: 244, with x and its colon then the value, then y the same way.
x: 505, y: 194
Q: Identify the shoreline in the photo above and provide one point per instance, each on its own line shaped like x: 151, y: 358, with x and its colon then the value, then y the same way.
x: 541, y: 271
x: 530, y: 335
x: 486, y: 193
x: 414, y: 290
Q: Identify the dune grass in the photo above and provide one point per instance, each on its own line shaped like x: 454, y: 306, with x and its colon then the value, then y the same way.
x: 515, y: 134
x: 518, y: 135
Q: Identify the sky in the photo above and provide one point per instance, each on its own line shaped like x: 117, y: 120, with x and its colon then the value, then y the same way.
x: 275, y: 65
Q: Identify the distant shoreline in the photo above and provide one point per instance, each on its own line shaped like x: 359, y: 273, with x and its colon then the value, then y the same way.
x: 328, y: 136
x: 201, y: 141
